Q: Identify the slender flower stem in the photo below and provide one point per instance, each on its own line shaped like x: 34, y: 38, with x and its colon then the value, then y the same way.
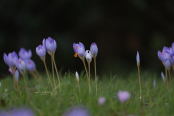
x: 95, y: 73
x: 85, y: 68
x: 24, y: 81
x: 166, y: 78
x: 17, y: 87
x: 89, y: 77
x: 52, y: 57
x: 57, y: 73
x: 139, y: 79
x: 36, y: 72
x: 147, y: 89
x: 170, y: 80
x: 78, y: 87
x: 13, y: 70
x: 47, y: 73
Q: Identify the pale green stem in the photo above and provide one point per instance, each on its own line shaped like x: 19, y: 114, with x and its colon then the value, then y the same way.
x: 95, y: 73
x: 139, y: 79
x: 57, y: 73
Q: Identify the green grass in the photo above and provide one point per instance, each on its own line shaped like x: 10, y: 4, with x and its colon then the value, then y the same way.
x: 161, y: 103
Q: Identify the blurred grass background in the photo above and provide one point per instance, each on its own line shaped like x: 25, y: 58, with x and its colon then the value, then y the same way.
x: 120, y: 29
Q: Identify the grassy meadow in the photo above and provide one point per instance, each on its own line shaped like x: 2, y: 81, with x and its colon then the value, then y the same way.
x: 46, y: 101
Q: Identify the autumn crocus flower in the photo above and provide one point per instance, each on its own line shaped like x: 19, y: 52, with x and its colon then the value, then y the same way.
x: 41, y: 51
x: 79, y: 50
x: 24, y: 54
x: 89, y: 59
x: 138, y: 65
x: 101, y: 100
x: 10, y: 71
x: 163, y: 77
x: 154, y: 83
x: 30, y: 65
x: 94, y: 49
x: 123, y: 96
x: 20, y: 64
x: 77, y: 111
x: 10, y: 60
x: 138, y: 58
x: 77, y: 78
x: 50, y: 45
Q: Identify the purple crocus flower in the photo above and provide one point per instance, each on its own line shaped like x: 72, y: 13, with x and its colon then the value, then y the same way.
x: 167, y: 60
x: 77, y: 111
x: 161, y: 56
x: 101, y: 100
x: 24, y: 54
x: 79, y: 50
x: 154, y: 83
x: 10, y: 60
x: 138, y: 58
x: 30, y: 65
x: 41, y: 51
x: 123, y: 96
x: 18, y: 112
x: 10, y: 71
x: 163, y: 77
x: 50, y: 45
x: 20, y: 64
x: 16, y: 75
x: 94, y: 49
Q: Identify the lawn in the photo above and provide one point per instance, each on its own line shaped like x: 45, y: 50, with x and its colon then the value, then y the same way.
x: 47, y: 101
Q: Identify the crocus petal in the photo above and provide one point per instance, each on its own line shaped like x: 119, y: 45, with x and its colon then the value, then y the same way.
x: 101, y: 100
x: 30, y: 65
x: 162, y: 75
x: 167, y: 64
x: 138, y: 58
x: 94, y: 49
x: 41, y: 51
x: 16, y: 75
x: 123, y: 96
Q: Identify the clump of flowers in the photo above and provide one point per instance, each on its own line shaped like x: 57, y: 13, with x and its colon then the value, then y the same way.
x: 167, y: 58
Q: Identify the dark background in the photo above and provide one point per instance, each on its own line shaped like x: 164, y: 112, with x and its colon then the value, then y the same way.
x: 119, y: 28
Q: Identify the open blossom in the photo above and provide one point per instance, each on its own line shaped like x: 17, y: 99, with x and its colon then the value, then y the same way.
x: 101, y: 100
x: 50, y: 45
x: 10, y: 60
x: 41, y: 51
x: 94, y: 49
x: 20, y: 64
x: 138, y: 58
x: 24, y: 54
x: 30, y: 65
x: 123, y: 96
x: 79, y: 50
x: 88, y: 56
